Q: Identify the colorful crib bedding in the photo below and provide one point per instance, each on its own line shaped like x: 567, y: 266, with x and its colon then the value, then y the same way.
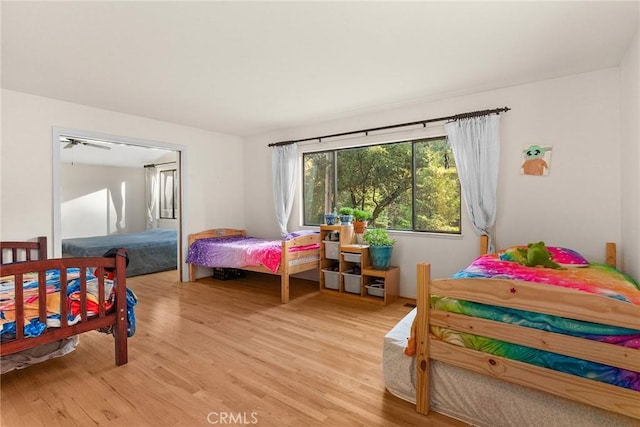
x: 239, y: 252
x: 33, y: 327
x: 595, y: 278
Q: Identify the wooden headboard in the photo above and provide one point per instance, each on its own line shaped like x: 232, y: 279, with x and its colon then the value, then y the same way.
x: 610, y: 257
x: 23, y: 251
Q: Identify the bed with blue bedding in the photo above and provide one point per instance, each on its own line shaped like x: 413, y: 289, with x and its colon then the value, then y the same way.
x: 150, y: 251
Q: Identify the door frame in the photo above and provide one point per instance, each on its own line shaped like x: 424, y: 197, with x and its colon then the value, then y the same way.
x: 181, y: 161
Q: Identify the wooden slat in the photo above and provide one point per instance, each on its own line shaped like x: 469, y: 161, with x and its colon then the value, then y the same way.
x: 99, y: 273
x: 599, y: 352
x: 83, y: 295
x: 423, y: 362
x: 484, y: 244
x: 541, y: 298
x: 611, y: 255
x: 63, y: 298
x: 19, y: 296
x: 42, y: 296
x: 605, y: 396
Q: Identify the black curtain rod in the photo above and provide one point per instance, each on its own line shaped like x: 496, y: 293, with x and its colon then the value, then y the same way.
x: 421, y: 122
x: 153, y: 165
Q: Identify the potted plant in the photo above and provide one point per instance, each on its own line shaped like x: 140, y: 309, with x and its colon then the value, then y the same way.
x: 380, y: 247
x: 331, y: 218
x: 346, y: 215
x: 360, y: 218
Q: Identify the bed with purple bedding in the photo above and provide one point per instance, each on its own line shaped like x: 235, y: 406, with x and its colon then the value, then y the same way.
x: 231, y: 248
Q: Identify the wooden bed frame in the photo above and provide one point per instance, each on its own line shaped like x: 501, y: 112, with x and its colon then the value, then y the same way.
x: 533, y: 297
x: 116, y: 318
x: 284, y: 271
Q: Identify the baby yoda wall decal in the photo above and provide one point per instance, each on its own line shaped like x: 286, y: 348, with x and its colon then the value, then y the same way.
x: 535, y: 160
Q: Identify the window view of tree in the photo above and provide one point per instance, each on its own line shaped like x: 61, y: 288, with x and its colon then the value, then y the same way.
x: 318, y: 190
x: 411, y: 185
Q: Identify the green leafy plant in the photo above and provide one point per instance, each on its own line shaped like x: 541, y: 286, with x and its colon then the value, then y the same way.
x: 361, y: 215
x: 346, y: 211
x: 378, y: 237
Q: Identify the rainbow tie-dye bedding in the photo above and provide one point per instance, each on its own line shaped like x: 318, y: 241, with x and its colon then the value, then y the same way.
x: 596, y: 278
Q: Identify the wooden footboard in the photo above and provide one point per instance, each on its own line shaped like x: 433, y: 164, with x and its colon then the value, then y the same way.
x: 288, y: 262
x: 116, y: 318
x: 532, y: 297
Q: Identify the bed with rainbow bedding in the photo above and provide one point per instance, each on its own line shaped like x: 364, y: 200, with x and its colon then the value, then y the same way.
x: 575, y: 273
x: 45, y: 304
x: 33, y: 326
x: 508, y: 342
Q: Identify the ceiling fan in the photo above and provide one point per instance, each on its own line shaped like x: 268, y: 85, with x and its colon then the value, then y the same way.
x: 72, y: 142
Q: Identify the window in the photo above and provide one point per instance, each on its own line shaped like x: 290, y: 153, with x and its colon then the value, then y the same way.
x: 168, y: 194
x: 409, y: 185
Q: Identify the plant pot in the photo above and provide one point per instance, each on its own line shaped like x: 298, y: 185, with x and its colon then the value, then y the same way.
x: 380, y: 256
x: 330, y: 219
x: 359, y: 226
x: 346, y: 219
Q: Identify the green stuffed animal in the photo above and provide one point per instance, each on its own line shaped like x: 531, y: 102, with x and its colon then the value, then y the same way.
x: 536, y: 254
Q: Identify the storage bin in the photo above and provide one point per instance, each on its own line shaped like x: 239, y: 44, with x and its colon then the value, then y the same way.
x: 226, y: 273
x: 349, y: 257
x: 351, y: 282
x: 331, y: 279
x: 375, y: 289
x: 332, y: 250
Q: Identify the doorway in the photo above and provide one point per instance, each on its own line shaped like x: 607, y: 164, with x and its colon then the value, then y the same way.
x: 86, y: 148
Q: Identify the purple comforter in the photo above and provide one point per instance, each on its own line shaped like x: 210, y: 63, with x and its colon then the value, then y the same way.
x: 236, y: 252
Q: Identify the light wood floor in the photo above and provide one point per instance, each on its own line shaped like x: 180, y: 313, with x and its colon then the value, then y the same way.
x: 208, y: 350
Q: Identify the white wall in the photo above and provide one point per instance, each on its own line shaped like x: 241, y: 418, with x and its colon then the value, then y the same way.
x: 576, y: 205
x: 214, y: 174
x: 101, y: 200
x: 630, y: 159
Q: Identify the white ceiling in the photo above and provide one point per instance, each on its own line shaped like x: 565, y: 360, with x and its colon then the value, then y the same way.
x: 115, y: 154
x: 244, y: 68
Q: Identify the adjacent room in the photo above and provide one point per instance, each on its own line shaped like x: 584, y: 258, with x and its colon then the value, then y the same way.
x: 320, y: 213
x: 116, y: 195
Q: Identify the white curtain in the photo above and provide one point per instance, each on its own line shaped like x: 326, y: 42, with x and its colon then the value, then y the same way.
x: 284, y: 161
x: 476, y: 148
x: 151, y: 195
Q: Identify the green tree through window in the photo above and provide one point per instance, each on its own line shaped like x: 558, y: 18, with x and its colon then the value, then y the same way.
x: 410, y: 185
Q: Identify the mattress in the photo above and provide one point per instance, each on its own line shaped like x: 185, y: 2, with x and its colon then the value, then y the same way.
x: 32, y: 356
x: 481, y: 400
x: 149, y: 251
